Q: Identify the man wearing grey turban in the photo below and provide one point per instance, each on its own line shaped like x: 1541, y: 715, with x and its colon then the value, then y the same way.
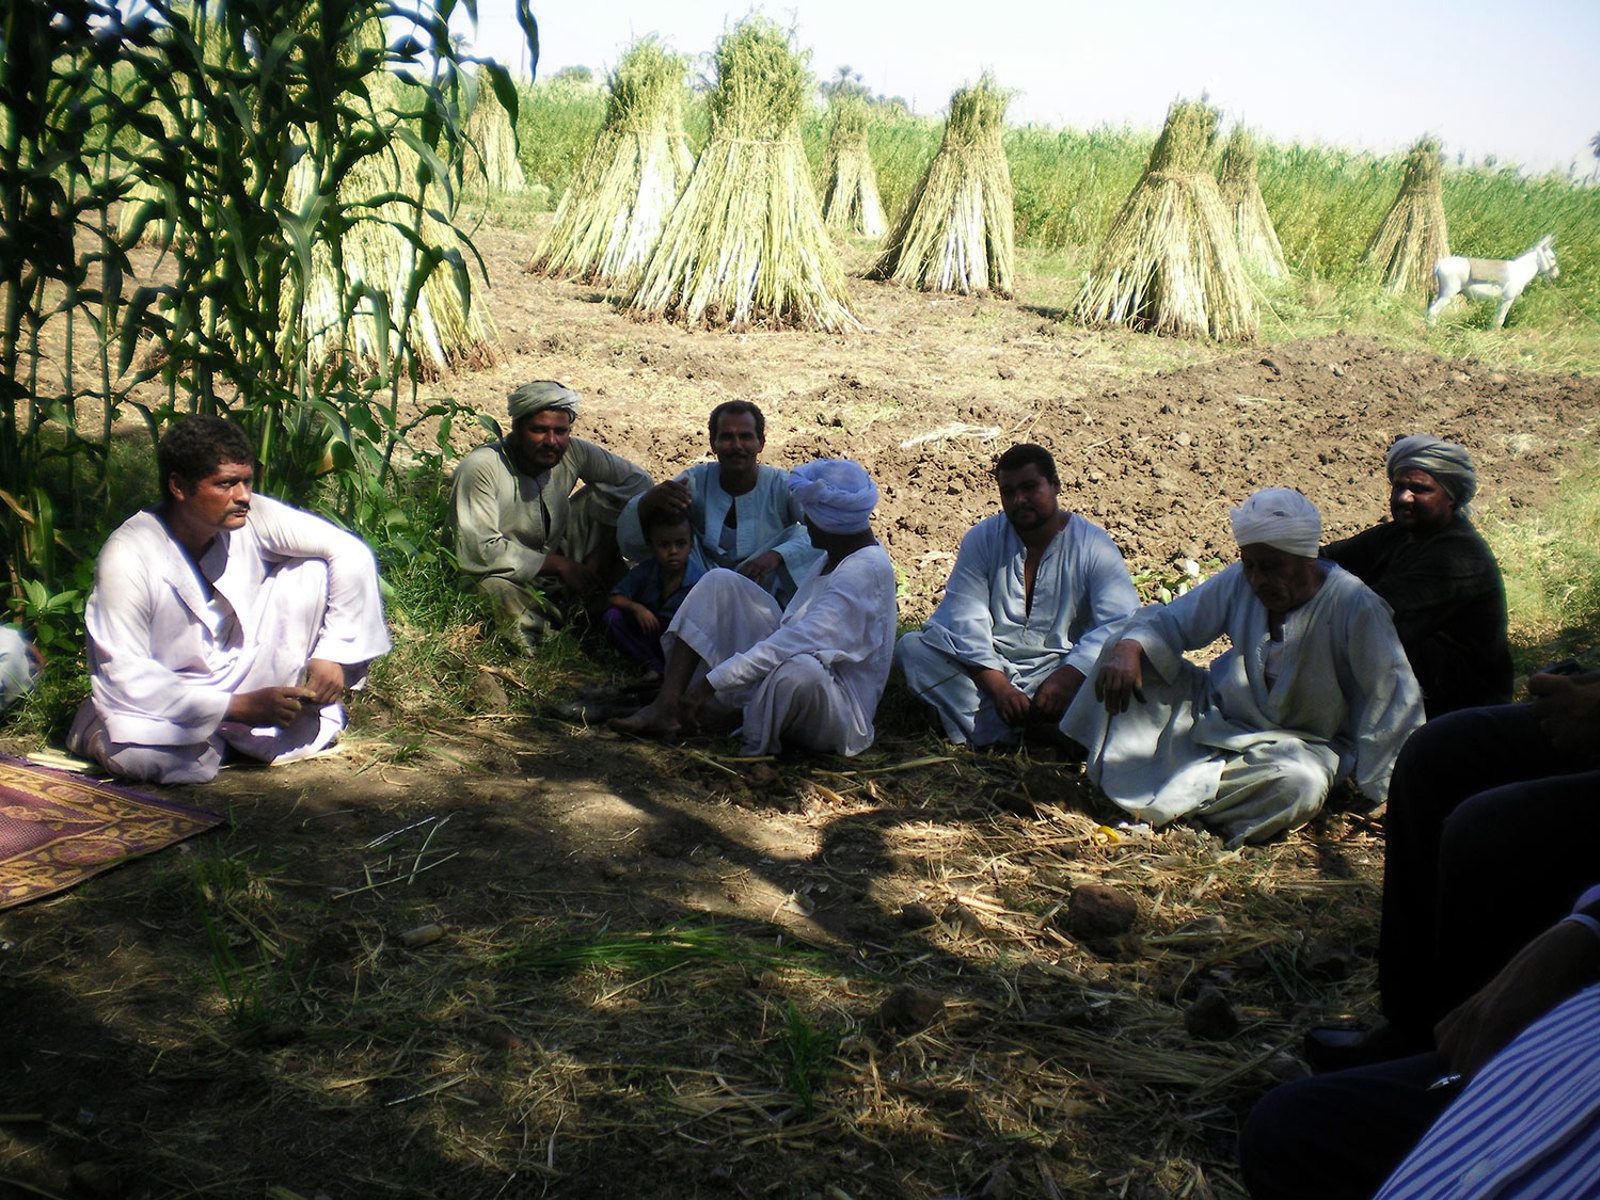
x: 1314, y: 687
x: 807, y: 675
x: 1438, y: 575
x: 523, y: 537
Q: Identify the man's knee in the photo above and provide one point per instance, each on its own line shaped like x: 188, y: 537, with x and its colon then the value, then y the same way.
x: 803, y: 676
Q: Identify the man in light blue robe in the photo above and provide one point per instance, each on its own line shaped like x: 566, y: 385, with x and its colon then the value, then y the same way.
x: 1024, y: 612
x: 743, y: 514
x: 1315, y: 686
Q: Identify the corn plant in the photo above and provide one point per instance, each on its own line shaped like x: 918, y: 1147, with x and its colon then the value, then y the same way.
x: 272, y: 144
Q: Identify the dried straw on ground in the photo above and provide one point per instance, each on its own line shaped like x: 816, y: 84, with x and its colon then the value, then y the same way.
x: 612, y: 216
x: 1170, y: 263
x: 492, y: 159
x: 745, y: 244
x: 956, y: 233
x: 1413, y: 236
x: 1236, y: 175
x: 850, y: 197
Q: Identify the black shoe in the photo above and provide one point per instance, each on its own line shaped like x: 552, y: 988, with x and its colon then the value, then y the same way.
x: 1338, y: 1048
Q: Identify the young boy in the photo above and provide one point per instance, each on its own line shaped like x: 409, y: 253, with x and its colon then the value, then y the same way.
x: 641, y: 607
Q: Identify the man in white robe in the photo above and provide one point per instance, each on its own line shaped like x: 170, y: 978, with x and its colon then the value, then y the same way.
x: 523, y: 538
x: 222, y: 619
x: 1314, y: 687
x: 810, y: 675
x: 1024, y: 613
x: 742, y: 513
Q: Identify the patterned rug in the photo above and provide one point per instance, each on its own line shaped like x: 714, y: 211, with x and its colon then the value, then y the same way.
x: 58, y: 828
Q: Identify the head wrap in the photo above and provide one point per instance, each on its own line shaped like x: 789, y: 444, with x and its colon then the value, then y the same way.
x: 535, y: 397
x: 1281, y: 518
x: 17, y: 668
x: 1447, y: 462
x: 838, y: 496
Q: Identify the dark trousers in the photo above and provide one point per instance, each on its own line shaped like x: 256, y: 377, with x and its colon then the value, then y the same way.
x: 1339, y: 1136
x: 1491, y: 835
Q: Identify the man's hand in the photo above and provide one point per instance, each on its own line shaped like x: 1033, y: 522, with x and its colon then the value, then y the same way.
x: 1055, y: 693
x: 670, y: 495
x: 578, y: 576
x: 694, y: 699
x: 1121, y: 676
x: 324, y: 680
x: 280, y: 706
x: 1012, y: 704
x: 762, y: 565
x: 1568, y: 708
x: 1549, y: 969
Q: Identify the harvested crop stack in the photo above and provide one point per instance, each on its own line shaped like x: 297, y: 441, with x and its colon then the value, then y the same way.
x: 956, y: 233
x: 1413, y: 236
x: 850, y: 200
x: 492, y: 159
x: 612, y: 216
x: 1236, y: 176
x: 745, y: 243
x: 1170, y: 263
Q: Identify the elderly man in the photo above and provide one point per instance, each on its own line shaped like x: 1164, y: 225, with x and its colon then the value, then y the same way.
x: 1024, y: 613
x: 809, y: 675
x: 522, y: 537
x: 1438, y: 576
x: 1314, y: 686
x: 742, y: 513
x: 222, y: 621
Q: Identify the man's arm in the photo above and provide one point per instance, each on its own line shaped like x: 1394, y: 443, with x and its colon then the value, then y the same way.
x: 1549, y: 969
x: 482, y: 546
x: 1568, y: 708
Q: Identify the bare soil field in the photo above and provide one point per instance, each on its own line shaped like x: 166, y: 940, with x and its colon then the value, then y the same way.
x: 662, y: 971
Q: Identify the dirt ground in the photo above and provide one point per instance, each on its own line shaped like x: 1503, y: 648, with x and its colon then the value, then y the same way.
x: 658, y: 975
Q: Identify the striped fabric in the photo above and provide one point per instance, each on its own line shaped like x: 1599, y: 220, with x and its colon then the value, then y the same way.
x: 1528, y: 1126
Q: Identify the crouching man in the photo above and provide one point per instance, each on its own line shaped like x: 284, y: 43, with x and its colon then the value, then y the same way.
x: 807, y: 675
x: 222, y: 621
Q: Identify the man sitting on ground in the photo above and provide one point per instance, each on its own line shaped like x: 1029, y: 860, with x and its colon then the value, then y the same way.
x: 1024, y: 613
x: 1438, y: 575
x: 743, y: 515
x: 222, y: 620
x: 522, y: 537
x: 809, y: 675
x: 1313, y: 687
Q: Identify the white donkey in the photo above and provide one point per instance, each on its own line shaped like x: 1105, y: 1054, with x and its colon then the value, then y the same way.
x: 1491, y: 278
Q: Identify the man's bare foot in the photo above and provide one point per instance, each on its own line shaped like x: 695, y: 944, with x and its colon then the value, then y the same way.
x: 649, y: 721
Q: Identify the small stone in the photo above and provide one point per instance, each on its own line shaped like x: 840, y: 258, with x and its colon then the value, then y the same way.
x: 917, y: 916
x: 498, y: 1037
x: 486, y: 693
x: 909, y: 1008
x: 1211, y: 1017
x: 963, y: 918
x: 1098, y: 911
x: 422, y: 935
x: 1006, y: 372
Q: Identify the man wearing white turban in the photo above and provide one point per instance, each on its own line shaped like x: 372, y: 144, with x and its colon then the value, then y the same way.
x: 1438, y: 575
x: 807, y: 675
x: 523, y: 537
x: 1313, y: 687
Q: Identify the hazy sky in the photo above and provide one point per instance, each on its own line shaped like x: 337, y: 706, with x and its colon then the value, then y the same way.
x: 1521, y: 82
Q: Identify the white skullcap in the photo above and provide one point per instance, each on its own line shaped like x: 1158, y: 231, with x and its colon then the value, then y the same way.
x: 1447, y: 462
x: 838, y: 495
x: 538, y: 396
x: 17, y: 668
x: 1281, y: 518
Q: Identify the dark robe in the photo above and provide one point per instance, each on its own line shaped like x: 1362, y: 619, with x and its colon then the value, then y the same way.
x: 1449, y: 608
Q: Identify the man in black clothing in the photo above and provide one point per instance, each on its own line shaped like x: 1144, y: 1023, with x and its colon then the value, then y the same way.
x: 1438, y: 575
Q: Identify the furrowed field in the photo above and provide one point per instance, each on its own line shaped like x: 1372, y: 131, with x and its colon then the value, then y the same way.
x: 663, y: 970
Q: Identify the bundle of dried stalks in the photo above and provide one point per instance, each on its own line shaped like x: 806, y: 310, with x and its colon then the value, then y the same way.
x: 1412, y: 236
x: 492, y: 160
x: 1236, y: 175
x: 446, y: 331
x: 956, y: 233
x: 612, y: 216
x: 1170, y: 263
x: 850, y: 198
x: 745, y: 243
